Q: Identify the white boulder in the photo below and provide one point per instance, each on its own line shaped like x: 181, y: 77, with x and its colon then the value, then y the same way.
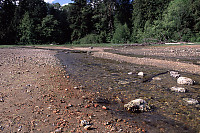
x: 177, y: 89
x: 140, y: 74
x: 185, y: 81
x: 137, y: 105
x: 191, y: 101
x: 174, y: 74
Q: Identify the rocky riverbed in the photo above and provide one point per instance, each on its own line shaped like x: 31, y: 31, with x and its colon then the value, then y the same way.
x: 79, y: 93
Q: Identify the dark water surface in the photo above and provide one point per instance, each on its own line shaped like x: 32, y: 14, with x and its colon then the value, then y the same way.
x: 110, y: 80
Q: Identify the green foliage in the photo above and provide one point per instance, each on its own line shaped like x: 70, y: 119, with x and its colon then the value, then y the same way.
x: 90, y: 39
x: 26, y: 30
x: 176, y: 19
x: 121, y: 34
x: 99, y: 21
x: 48, y: 29
x: 7, y: 29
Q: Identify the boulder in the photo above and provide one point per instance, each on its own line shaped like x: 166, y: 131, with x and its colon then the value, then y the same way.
x: 174, y: 74
x: 137, y: 105
x: 185, y: 81
x: 177, y: 89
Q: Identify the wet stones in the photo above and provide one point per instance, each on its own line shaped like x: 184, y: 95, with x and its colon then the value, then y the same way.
x: 185, y: 81
x: 1, y: 99
x: 123, y: 82
x: 174, y: 74
x: 137, y: 105
x: 191, y: 101
x: 85, y: 124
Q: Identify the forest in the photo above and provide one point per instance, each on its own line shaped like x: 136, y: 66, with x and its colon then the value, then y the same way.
x: 27, y: 22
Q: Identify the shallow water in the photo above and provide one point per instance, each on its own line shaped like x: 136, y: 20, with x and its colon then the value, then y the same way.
x: 110, y: 80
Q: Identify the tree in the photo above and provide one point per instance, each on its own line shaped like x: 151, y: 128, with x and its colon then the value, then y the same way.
x: 143, y: 11
x: 26, y: 30
x: 80, y: 19
x: 122, y: 34
x: 176, y: 20
x: 7, y: 27
x: 48, y: 29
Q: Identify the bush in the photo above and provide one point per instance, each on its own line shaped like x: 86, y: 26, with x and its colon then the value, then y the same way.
x: 90, y: 39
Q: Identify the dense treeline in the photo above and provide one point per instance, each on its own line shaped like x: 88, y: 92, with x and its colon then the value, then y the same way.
x: 99, y: 21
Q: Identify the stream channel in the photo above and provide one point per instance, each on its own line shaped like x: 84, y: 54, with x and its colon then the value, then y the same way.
x: 111, y: 81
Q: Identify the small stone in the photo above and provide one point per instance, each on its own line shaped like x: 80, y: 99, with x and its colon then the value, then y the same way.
x: 113, y: 129
x: 130, y: 73
x: 177, y: 89
x: 157, y: 78
x: 120, y: 130
x: 84, y: 123
x: 107, y: 123
x: 87, y: 127
x: 123, y: 82
x: 185, y: 81
x: 59, y: 130
x: 96, y: 105
x: 191, y: 101
x: 118, y: 120
x: 104, y: 107
x: 141, y: 74
x: 76, y: 87
x: 28, y: 90
x: 69, y: 105
x: 1, y: 100
x: 87, y: 106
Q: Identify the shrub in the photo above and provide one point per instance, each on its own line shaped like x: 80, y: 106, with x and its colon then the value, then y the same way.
x: 89, y: 39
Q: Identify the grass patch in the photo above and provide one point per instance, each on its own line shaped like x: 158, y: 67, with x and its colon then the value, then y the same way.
x: 8, y: 46
x: 94, y: 45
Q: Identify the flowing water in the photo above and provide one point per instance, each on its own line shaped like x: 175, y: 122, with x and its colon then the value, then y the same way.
x: 110, y: 80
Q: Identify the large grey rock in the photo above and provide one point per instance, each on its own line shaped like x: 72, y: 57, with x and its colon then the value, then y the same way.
x: 137, y: 105
x: 177, y: 89
x: 185, y: 81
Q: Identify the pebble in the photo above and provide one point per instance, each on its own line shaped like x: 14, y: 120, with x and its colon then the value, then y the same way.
x: 120, y: 130
x: 84, y: 123
x: 123, y: 82
x: 87, y: 127
x: 59, y: 130
x: 113, y: 129
x: 130, y: 73
x: 157, y: 78
x: 141, y: 74
x: 1, y: 100
x: 96, y: 105
x: 104, y: 107
x: 107, y: 123
x: 87, y: 106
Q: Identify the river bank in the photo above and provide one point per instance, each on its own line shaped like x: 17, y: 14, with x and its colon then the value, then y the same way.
x: 37, y: 95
